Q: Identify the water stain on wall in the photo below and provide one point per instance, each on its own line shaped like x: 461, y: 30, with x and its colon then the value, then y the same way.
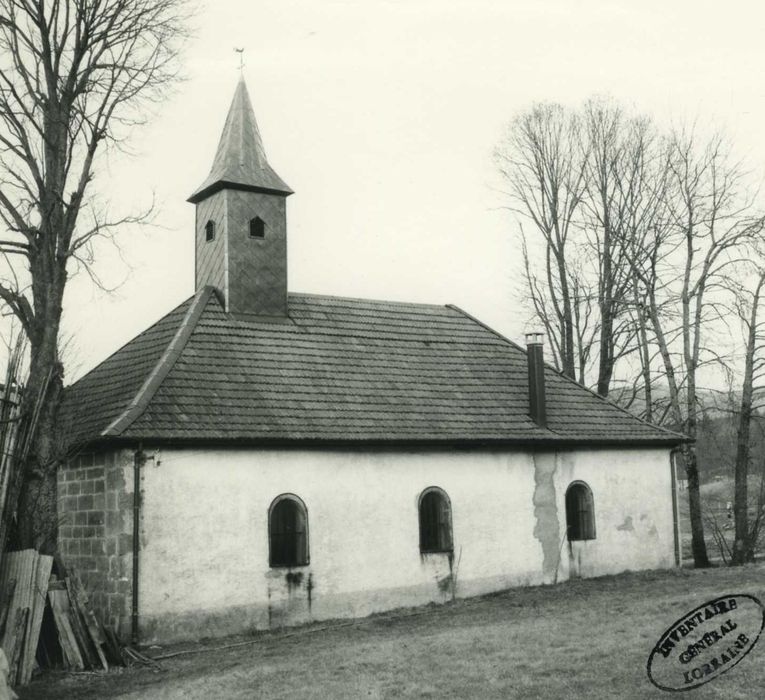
x: 445, y: 583
x: 547, y: 524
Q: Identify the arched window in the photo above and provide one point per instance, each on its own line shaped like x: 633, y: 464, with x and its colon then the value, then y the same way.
x: 435, y: 521
x: 287, y: 532
x: 210, y: 230
x: 580, y: 512
x: 257, y: 228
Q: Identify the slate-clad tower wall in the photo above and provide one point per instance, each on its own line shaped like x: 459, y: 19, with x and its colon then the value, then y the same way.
x: 257, y: 267
x: 211, y: 256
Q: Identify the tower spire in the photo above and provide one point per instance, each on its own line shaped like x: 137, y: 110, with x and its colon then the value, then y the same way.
x: 241, y: 220
x: 240, y: 161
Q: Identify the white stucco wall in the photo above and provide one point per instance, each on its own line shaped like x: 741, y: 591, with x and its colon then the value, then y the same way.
x: 204, y: 532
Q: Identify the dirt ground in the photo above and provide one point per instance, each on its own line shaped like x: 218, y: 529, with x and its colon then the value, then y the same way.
x: 580, y: 639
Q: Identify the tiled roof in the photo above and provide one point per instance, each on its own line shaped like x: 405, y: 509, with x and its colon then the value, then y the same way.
x: 240, y: 160
x: 339, y: 370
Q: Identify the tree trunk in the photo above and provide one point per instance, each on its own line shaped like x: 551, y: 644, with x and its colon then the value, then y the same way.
x: 700, y: 557
x: 644, y: 352
x: 569, y: 360
x: 606, y: 364
x: 743, y: 546
x: 37, y: 524
x: 698, y: 546
x: 741, y: 549
x: 605, y: 298
x: 38, y: 513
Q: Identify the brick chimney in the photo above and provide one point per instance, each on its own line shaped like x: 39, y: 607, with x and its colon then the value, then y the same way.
x: 536, y: 362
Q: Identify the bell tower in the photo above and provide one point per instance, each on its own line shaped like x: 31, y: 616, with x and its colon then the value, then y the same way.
x: 241, y: 220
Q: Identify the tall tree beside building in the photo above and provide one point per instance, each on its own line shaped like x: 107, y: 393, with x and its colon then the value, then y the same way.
x: 749, y: 307
x: 622, y: 174
x: 74, y: 75
x: 580, y: 181
x: 712, y: 223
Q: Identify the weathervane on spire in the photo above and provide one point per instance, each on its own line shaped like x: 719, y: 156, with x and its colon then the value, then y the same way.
x: 241, y: 58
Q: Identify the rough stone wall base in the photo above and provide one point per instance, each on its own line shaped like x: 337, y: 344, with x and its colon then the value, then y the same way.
x: 95, y: 531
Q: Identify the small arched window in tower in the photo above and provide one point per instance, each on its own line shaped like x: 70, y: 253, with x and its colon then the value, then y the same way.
x: 257, y: 228
x: 580, y: 512
x: 210, y: 230
x: 435, y: 521
x: 287, y: 532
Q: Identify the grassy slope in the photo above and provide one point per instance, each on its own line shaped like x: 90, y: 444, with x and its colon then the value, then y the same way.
x: 588, y: 639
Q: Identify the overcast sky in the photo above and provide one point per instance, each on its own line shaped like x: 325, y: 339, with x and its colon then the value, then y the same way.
x: 382, y: 117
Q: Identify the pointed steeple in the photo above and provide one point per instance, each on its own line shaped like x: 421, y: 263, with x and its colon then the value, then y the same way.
x: 241, y: 221
x: 240, y: 162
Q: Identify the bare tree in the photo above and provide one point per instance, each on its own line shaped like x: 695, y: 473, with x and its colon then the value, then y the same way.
x: 681, y: 264
x: 623, y: 196
x: 645, y: 188
x: 73, y: 75
x: 748, y: 307
x: 585, y: 181
x: 638, y: 232
x: 541, y: 162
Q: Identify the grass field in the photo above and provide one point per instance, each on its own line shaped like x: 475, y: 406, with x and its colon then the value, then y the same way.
x: 580, y: 639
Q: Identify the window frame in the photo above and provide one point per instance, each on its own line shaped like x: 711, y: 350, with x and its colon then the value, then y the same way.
x: 210, y: 231
x: 579, y: 528
x: 298, y: 502
x: 442, y: 547
x: 258, y: 221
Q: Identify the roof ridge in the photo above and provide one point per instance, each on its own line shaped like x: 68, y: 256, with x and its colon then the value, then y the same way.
x: 367, y: 299
x: 605, y: 399
x: 165, y: 363
x: 71, y: 386
x: 489, y: 328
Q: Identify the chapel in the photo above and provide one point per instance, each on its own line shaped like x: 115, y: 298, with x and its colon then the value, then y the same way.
x: 260, y: 457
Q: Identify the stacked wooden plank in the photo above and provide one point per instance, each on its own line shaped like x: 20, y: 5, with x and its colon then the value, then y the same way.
x: 81, y: 637
x: 26, y: 583
x: 24, y: 580
x: 10, y: 423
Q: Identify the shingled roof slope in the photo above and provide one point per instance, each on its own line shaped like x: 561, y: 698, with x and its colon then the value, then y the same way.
x: 337, y: 370
x: 107, y: 389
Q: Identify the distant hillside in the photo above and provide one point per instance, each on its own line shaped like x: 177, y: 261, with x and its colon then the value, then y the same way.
x: 716, y: 445
x: 716, y: 434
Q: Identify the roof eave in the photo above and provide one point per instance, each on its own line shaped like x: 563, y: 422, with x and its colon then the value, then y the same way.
x: 399, y: 443
x: 219, y: 185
